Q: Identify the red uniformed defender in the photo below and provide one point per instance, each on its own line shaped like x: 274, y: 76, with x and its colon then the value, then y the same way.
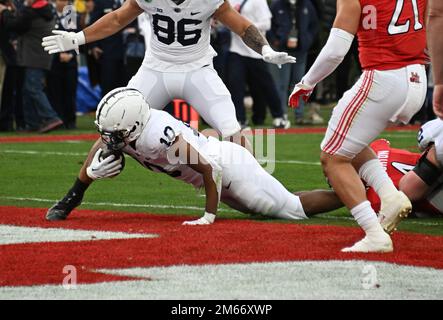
x: 400, y: 164
x: 392, y: 88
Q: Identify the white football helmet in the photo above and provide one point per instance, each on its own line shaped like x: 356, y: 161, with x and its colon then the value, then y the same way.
x: 121, y: 117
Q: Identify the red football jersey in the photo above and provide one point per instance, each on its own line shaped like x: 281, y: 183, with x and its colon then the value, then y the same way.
x: 397, y: 163
x: 392, y: 34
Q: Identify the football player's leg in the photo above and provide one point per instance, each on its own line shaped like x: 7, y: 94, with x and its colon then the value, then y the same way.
x: 372, y: 172
x: 319, y: 201
x: 248, y: 185
x: 207, y: 93
x: 360, y: 116
x: 74, y: 197
x: 395, y: 205
x: 418, y: 183
x: 152, y: 85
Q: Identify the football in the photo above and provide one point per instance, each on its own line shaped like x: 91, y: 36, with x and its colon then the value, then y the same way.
x: 117, y: 153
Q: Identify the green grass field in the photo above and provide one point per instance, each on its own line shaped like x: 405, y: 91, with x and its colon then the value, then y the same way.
x: 37, y: 174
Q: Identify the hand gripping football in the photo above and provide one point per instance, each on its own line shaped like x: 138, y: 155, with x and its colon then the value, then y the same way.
x: 118, y: 155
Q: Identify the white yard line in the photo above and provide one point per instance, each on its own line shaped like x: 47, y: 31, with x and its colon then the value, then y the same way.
x: 308, y: 163
x: 400, y: 135
x: 51, y: 153
x: 415, y: 222
x: 191, y: 208
x: 44, y: 153
x: 111, y: 204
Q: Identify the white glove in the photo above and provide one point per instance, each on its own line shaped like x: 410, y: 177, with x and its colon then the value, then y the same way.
x: 105, y: 168
x: 208, y: 218
x: 63, y: 41
x: 278, y: 58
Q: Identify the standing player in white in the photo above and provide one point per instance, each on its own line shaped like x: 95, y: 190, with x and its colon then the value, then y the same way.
x: 179, y: 64
x: 392, y: 43
x: 226, y: 171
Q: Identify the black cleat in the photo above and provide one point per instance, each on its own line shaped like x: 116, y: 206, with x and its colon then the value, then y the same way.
x: 63, y: 208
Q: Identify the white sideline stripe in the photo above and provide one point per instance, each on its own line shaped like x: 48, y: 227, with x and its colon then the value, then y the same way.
x: 44, y: 153
x: 420, y: 223
x: 110, y: 204
x: 161, y: 206
x: 401, y: 134
x: 51, y: 153
x: 292, y: 280
x: 17, y: 235
x: 308, y: 163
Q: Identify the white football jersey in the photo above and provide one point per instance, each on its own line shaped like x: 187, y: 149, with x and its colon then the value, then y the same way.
x: 247, y: 186
x: 180, y: 40
x: 152, y: 146
x: 432, y: 132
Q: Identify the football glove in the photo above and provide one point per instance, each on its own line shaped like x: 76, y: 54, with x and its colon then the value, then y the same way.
x: 278, y: 58
x: 104, y: 168
x: 300, y: 91
x: 208, y: 218
x: 63, y: 41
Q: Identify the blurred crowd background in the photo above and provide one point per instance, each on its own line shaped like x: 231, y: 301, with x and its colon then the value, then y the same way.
x: 41, y: 92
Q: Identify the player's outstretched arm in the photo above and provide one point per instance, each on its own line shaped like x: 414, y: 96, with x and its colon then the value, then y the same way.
x: 250, y: 34
x: 93, y: 168
x: 434, y: 28
x: 83, y: 176
x: 108, y: 25
x: 182, y: 151
x: 339, y: 42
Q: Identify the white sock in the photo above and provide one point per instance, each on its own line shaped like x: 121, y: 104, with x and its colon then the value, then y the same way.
x: 376, y: 177
x: 366, y: 217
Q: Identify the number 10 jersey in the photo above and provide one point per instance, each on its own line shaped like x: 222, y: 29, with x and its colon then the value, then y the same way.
x: 180, y: 39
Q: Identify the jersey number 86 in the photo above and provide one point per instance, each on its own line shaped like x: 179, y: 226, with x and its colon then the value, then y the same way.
x: 166, y: 31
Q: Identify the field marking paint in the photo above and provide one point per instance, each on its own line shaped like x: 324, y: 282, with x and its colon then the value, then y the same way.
x: 420, y: 223
x: 93, y: 137
x: 176, y: 246
x: 18, y: 235
x: 111, y: 204
x: 52, y: 153
x: 308, y: 163
x: 327, y: 279
x: 44, y: 153
x: 190, y: 208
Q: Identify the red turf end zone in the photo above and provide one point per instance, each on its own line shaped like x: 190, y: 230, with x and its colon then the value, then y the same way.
x: 93, y: 137
x: 226, y: 241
